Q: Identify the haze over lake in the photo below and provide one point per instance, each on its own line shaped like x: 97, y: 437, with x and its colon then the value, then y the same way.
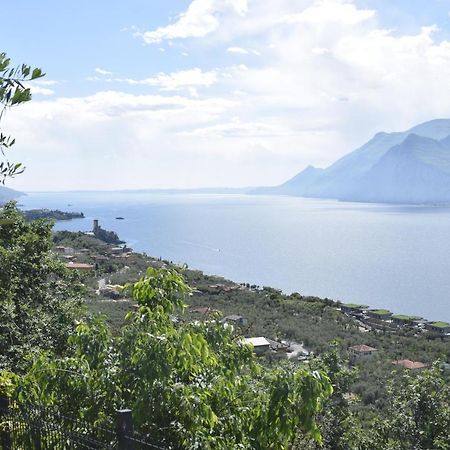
x: 397, y: 257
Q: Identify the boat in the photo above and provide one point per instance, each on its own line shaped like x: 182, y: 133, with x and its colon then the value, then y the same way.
x: 120, y: 218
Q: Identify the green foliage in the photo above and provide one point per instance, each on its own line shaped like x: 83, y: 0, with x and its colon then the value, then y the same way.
x: 189, y: 384
x: 334, y: 421
x: 13, y: 92
x: 8, y: 383
x: 39, y: 299
x: 418, y: 416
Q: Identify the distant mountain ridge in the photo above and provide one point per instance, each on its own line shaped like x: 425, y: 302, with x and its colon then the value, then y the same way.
x: 7, y: 194
x: 402, y: 167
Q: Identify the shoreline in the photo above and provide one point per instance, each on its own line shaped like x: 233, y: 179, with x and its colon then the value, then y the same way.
x: 364, y: 314
x: 338, y: 284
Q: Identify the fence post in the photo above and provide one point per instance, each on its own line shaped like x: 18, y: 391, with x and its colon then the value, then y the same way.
x: 124, y: 428
x: 5, y: 436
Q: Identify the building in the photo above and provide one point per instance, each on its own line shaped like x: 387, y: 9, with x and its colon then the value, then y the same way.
x: 260, y: 344
x: 79, y: 266
x: 361, y: 352
x: 64, y: 250
x: 277, y: 346
x: 235, y: 320
x: 408, y: 364
x: 380, y: 314
x: 352, y: 308
x: 438, y: 327
x: 400, y: 319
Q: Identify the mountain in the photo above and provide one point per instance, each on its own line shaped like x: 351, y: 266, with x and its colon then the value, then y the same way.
x: 7, y: 194
x: 403, y: 167
x: 295, y: 186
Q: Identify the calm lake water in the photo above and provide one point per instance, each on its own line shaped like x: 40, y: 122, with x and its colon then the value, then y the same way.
x: 397, y: 257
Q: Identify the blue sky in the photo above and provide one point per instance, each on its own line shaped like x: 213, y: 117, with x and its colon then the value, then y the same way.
x: 217, y: 92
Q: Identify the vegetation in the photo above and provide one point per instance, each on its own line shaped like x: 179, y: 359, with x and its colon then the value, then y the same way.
x: 440, y: 324
x: 190, y: 385
x: 53, y: 214
x: 39, y: 299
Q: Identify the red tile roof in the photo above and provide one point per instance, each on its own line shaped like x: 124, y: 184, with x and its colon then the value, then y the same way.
x: 408, y: 364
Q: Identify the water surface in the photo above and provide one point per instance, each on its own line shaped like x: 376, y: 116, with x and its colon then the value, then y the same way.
x: 396, y: 257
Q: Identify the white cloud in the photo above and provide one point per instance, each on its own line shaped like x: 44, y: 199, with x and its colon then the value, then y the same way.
x: 236, y: 128
x: 330, y: 78
x: 104, y: 72
x: 201, y: 18
x: 176, y: 80
x: 38, y: 89
x: 45, y: 82
x: 324, y: 12
x: 242, y: 51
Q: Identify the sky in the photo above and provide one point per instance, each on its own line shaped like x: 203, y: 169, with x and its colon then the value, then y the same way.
x: 205, y: 93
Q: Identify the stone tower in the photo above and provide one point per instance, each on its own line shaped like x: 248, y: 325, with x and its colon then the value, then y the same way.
x: 95, y: 229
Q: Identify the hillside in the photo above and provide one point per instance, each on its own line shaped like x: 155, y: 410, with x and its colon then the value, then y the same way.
x: 7, y: 194
x: 403, y: 167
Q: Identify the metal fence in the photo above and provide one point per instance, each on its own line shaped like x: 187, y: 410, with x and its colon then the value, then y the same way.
x: 31, y: 427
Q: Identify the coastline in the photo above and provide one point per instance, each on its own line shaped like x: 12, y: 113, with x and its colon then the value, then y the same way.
x: 348, y: 252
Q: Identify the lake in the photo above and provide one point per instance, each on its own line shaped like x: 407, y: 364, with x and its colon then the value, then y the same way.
x: 395, y: 257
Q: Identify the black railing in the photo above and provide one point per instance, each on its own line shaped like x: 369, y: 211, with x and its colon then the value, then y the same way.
x: 31, y: 427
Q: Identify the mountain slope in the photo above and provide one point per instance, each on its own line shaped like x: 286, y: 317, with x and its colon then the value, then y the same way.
x: 416, y: 171
x: 7, y: 194
x: 297, y: 185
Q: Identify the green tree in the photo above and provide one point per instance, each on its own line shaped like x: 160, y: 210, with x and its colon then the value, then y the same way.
x: 189, y: 384
x: 336, y: 418
x: 39, y: 298
x: 418, y: 415
x: 12, y: 92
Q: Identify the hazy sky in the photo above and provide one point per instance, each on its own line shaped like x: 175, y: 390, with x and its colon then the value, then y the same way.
x: 178, y: 93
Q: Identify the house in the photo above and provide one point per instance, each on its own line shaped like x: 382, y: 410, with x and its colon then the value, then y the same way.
x: 64, y: 250
x: 79, y: 266
x: 401, y: 319
x: 278, y: 346
x: 235, y: 319
x: 438, y: 327
x: 361, y: 352
x: 380, y: 314
x: 408, y: 364
x: 352, y: 308
x: 260, y: 344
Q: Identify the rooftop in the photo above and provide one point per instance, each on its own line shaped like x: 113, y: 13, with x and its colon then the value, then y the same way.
x: 257, y: 341
x: 76, y: 265
x: 408, y: 364
x: 354, y: 306
x: 380, y: 312
x: 233, y: 317
x: 440, y: 324
x: 362, y: 348
x: 405, y: 317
